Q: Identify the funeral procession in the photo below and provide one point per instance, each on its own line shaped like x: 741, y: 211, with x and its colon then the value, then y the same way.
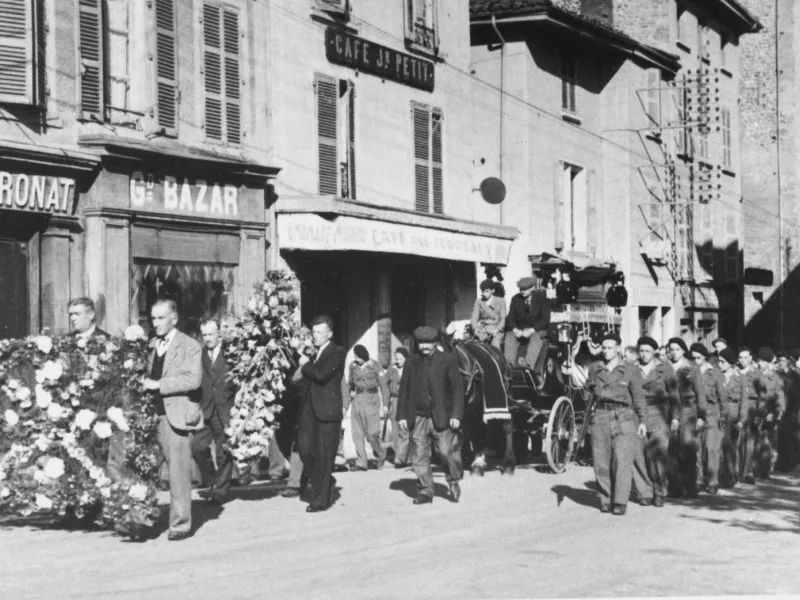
x: 399, y: 298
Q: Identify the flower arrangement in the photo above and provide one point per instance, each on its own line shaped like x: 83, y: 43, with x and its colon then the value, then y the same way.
x: 78, y: 431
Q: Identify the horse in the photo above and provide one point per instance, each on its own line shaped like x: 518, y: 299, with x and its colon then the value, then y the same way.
x: 487, y: 377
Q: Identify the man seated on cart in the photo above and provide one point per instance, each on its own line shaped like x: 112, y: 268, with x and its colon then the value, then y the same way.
x: 489, y: 315
x: 528, y: 321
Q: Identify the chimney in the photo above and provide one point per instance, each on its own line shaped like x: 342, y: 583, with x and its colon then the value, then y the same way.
x: 599, y: 10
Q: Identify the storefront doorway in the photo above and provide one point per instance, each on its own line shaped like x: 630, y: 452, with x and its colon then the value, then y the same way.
x: 16, y: 232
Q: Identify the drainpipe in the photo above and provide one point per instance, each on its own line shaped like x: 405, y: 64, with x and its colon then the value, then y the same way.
x: 502, y: 99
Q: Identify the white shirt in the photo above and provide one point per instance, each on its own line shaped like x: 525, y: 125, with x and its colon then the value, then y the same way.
x: 88, y: 333
x: 213, y: 354
x: 321, y: 348
x: 163, y: 345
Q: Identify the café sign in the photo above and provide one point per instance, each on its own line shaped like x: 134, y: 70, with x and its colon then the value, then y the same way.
x: 308, y: 231
x: 36, y: 193
x: 187, y: 197
x: 357, y: 53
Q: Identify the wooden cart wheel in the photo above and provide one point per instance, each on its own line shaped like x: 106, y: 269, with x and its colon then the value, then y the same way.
x: 561, y: 434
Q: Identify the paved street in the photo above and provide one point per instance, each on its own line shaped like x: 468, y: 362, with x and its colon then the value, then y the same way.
x: 531, y: 535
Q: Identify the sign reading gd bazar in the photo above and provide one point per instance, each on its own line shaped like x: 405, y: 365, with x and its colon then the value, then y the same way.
x: 308, y: 231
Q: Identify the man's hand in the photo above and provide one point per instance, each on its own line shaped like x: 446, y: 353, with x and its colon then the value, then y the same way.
x: 675, y: 425
x: 770, y: 418
x: 739, y: 425
x: 403, y: 425
x: 642, y: 431
x: 303, y: 359
x: 454, y: 424
x: 151, y: 384
x: 701, y: 424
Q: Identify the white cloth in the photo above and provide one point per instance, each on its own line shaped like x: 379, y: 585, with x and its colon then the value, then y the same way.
x: 163, y: 344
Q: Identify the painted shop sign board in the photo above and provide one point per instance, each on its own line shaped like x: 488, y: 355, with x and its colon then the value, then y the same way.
x: 36, y: 193
x: 183, y: 196
x: 308, y: 231
x: 344, y: 49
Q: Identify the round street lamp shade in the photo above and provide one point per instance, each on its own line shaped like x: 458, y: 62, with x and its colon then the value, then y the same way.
x: 493, y: 190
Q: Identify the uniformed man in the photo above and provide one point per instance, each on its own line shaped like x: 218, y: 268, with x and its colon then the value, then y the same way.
x: 364, y: 382
x: 617, y: 389
x: 663, y: 408
x: 489, y: 315
x: 719, y: 345
x: 692, y: 413
x: 788, y: 454
x: 734, y: 414
x: 392, y: 386
x: 709, y: 445
x: 769, y: 412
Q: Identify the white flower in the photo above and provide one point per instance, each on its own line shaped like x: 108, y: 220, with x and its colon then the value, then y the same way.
x: 23, y: 394
x: 118, y: 418
x: 102, y: 429
x: 105, y: 492
x: 43, y: 502
x: 43, y: 397
x: 44, y: 343
x: 85, y: 418
x: 41, y: 478
x: 42, y: 443
x: 87, y: 383
x: 54, y: 468
x: 11, y: 417
x: 81, y: 342
x: 5, y: 492
x: 65, y: 395
x: 55, y: 412
x: 128, y: 364
x: 40, y: 376
x: 138, y: 491
x: 134, y: 333
x: 13, y: 384
x: 53, y: 370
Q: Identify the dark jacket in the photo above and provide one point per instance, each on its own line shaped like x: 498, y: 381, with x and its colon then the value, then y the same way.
x: 322, y: 383
x: 218, y: 390
x: 522, y: 315
x: 444, y: 383
x: 661, y: 392
x: 692, y: 388
x: 622, y: 385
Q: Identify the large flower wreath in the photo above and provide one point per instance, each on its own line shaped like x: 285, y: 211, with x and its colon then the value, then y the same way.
x: 66, y: 405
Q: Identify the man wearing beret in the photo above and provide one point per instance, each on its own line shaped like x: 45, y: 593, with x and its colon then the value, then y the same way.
x: 619, y: 399
x: 489, y: 315
x: 528, y: 319
x: 391, y: 387
x: 365, y: 384
x: 734, y: 415
x: 692, y: 393
x: 710, y: 439
x: 431, y: 406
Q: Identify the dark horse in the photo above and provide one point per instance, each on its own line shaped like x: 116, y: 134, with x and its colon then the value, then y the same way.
x: 487, y: 377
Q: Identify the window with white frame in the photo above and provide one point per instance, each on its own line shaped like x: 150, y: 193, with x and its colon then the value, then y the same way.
x: 336, y: 136
x: 421, y: 25
x: 575, y: 221
x: 427, y: 123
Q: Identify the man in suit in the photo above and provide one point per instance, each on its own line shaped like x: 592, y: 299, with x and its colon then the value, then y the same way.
x: 528, y: 319
x: 216, y: 402
x: 176, y: 374
x: 82, y: 319
x: 321, y: 412
x: 431, y: 405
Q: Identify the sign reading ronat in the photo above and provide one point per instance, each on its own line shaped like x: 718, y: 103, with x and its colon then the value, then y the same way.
x: 196, y: 198
x: 36, y: 193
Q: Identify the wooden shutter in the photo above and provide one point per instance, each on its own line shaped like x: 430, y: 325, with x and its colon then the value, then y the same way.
x: 437, y: 120
x: 92, y: 79
x: 40, y: 24
x: 351, y: 140
x: 327, y: 102
x: 422, y: 184
x: 16, y: 52
x: 592, y: 224
x: 727, y: 154
x: 166, y: 67
x: 233, y: 111
x: 212, y: 59
x: 558, y: 206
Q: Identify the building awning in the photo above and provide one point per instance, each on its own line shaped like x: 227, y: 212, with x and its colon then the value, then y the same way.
x: 335, y: 225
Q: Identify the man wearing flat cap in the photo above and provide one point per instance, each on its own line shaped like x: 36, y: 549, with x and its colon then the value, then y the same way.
x: 431, y: 406
x: 365, y: 384
x: 489, y: 315
x: 709, y: 445
x: 528, y: 319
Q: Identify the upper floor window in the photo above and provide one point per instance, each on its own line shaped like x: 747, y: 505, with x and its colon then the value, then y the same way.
x: 653, y: 98
x: 703, y: 41
x: 725, y: 50
x: 221, y: 73
x: 22, y: 52
x: 428, y: 174
x: 166, y: 59
x: 421, y: 25
x: 575, y: 212
x: 727, y: 140
x: 92, y: 60
x: 568, y: 82
x: 339, y: 8
x: 336, y: 136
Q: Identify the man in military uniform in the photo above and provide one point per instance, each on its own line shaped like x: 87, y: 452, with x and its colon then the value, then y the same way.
x: 771, y: 404
x: 365, y: 417
x: 528, y: 319
x: 489, y: 315
x: 710, y: 438
x: 391, y: 387
x: 617, y: 389
x: 734, y: 414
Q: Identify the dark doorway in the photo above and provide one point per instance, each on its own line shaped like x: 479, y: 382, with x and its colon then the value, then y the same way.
x: 16, y: 231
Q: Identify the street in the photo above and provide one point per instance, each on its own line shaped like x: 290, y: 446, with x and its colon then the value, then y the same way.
x: 531, y: 535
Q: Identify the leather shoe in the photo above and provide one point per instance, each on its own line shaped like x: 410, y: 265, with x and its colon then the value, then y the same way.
x: 423, y: 500
x: 291, y: 493
x: 605, y: 508
x: 177, y: 536
x: 455, y: 492
x: 619, y: 510
x: 399, y: 465
x: 314, y: 508
x: 658, y: 502
x: 206, y: 493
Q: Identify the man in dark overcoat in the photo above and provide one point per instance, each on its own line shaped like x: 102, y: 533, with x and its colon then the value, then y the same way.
x: 431, y: 405
x: 528, y: 319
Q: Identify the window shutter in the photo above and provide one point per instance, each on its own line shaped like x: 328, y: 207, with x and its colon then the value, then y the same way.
x: 92, y: 95
x: 558, y: 206
x: 327, y: 101
x: 338, y: 6
x: 592, y: 225
x: 437, y: 120
x: 166, y: 67
x: 727, y: 155
x: 351, y: 140
x: 16, y: 52
x: 422, y: 120
x: 212, y: 58
x: 233, y: 112
x: 41, y: 52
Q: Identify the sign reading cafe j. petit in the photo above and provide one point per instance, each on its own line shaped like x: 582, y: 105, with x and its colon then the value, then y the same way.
x: 183, y: 196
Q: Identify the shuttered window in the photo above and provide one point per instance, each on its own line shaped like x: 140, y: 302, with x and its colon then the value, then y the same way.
x: 17, y: 52
x: 221, y: 74
x: 166, y: 67
x: 421, y: 24
x: 428, y: 159
x: 682, y: 138
x: 727, y: 141
x: 336, y: 136
x: 568, y: 82
x: 92, y: 72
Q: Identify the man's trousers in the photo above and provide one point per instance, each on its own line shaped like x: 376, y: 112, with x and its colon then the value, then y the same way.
x: 425, y: 439
x: 613, y: 447
x: 214, y: 431
x: 176, y: 445
x: 365, y: 419
x: 317, y: 442
x: 709, y: 449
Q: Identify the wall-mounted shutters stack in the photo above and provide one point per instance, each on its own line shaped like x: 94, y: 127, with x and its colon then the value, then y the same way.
x: 592, y: 214
x: 233, y: 95
x: 327, y: 126
x: 428, y: 159
x: 92, y: 71
x: 166, y: 67
x: 350, y: 167
x: 221, y: 74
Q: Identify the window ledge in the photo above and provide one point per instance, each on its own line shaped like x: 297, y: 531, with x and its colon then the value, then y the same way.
x: 729, y: 172
x: 337, y: 20
x: 570, y: 117
x: 683, y: 47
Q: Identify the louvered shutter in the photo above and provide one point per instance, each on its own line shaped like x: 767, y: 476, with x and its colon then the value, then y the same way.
x: 212, y: 59
x: 558, y: 206
x: 422, y: 146
x: 233, y: 112
x: 92, y: 80
x: 727, y: 155
x: 592, y: 225
x: 337, y: 6
x: 327, y: 101
x: 437, y: 121
x: 680, y: 131
x: 16, y: 52
x: 351, y: 140
x: 41, y: 52
x: 166, y: 67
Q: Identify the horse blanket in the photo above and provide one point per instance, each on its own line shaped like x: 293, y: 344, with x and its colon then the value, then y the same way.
x: 493, y: 381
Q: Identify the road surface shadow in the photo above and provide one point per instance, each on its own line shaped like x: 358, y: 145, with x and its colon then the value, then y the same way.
x: 780, y: 496
x: 581, y: 496
x: 409, y: 488
x: 202, y: 513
